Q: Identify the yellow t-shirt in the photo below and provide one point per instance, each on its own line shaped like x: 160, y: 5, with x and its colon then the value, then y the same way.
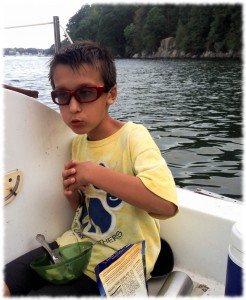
x: 109, y: 220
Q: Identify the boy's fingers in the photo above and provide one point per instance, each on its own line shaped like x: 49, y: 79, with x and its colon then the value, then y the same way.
x: 68, y: 182
x: 68, y: 193
x: 69, y: 164
x: 69, y: 172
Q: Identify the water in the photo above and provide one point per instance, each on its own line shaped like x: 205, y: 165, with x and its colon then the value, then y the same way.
x: 193, y: 109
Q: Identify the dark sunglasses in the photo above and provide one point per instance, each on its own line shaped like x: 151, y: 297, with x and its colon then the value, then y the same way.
x: 82, y: 95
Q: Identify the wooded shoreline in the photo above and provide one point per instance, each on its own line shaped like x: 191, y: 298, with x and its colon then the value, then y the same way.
x: 156, y: 31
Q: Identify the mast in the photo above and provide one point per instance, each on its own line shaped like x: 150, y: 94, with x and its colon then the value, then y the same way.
x: 57, y: 33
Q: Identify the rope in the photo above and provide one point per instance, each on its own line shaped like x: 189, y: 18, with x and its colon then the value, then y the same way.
x: 19, y: 26
x: 39, y: 24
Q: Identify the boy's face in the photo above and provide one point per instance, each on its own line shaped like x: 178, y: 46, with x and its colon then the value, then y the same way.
x: 91, y: 118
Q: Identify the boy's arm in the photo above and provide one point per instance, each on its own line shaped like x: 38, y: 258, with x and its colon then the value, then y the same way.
x: 126, y: 187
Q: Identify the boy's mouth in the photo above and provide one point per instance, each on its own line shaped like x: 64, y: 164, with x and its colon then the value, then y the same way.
x: 76, y: 122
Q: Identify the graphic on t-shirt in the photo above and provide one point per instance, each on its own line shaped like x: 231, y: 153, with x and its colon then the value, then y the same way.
x: 98, y: 217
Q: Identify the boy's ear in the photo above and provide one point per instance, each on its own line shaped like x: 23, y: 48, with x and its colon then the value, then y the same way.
x: 112, y: 95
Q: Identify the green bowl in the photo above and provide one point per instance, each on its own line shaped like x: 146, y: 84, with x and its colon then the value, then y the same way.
x: 76, y: 258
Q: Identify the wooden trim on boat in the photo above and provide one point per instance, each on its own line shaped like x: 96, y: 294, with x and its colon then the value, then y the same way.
x: 30, y: 93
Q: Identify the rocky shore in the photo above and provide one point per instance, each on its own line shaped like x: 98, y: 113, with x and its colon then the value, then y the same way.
x: 168, y: 49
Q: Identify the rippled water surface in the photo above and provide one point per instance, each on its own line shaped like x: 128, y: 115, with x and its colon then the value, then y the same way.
x: 193, y: 109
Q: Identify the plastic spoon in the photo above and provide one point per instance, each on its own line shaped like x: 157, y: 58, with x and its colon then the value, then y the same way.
x: 54, y: 257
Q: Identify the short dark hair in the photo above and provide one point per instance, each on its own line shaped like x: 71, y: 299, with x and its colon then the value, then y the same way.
x: 86, y: 52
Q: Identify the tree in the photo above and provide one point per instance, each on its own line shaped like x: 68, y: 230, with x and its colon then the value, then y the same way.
x: 233, y: 39
x: 198, y: 28
x: 225, y: 30
x: 130, y: 33
x: 74, y: 25
x: 154, y: 30
x: 113, y: 20
x: 139, y: 19
x: 181, y: 37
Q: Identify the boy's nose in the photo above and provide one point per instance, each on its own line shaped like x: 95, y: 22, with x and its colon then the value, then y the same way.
x: 74, y: 105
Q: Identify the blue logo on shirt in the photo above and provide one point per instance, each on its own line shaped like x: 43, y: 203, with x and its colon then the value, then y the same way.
x: 98, y: 217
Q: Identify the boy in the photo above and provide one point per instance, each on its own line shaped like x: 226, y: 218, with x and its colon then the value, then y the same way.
x: 117, y: 181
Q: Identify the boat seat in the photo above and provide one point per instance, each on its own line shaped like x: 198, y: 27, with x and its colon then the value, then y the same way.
x: 165, y: 261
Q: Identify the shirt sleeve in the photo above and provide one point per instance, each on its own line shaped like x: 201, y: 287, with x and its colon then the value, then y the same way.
x: 150, y: 166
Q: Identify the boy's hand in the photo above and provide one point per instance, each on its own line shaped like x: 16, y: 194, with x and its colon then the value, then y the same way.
x: 69, y: 180
x: 76, y: 175
x: 68, y: 176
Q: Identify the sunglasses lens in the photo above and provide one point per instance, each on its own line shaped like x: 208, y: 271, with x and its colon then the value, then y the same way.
x: 60, y: 98
x: 82, y: 95
x: 86, y: 94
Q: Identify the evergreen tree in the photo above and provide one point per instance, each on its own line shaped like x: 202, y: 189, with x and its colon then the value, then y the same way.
x: 130, y: 33
x: 154, y: 30
x: 181, y: 37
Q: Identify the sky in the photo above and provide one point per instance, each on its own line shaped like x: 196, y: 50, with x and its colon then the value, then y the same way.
x: 26, y: 12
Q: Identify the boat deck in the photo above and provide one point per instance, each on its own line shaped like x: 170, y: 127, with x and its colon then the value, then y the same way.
x: 205, y: 286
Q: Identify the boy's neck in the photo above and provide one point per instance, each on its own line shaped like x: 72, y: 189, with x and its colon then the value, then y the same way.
x: 106, y: 130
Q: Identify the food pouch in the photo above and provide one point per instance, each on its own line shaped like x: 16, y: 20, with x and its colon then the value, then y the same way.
x: 124, y: 273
